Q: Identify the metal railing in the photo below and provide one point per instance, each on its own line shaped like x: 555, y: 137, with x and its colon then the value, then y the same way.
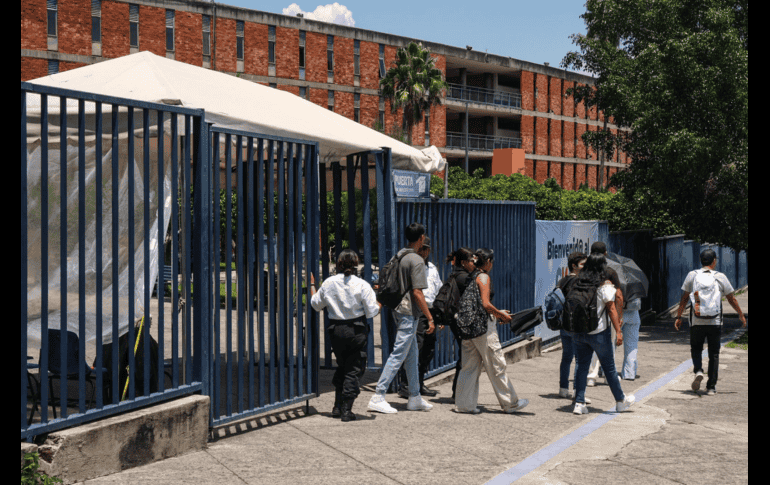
x: 506, y: 227
x: 480, y: 142
x: 484, y: 96
x: 93, y: 224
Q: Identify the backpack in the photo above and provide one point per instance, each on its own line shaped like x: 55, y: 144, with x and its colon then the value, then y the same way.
x: 447, y: 303
x: 553, y: 306
x: 580, y: 306
x: 706, y: 296
x: 471, y: 316
x: 389, y: 291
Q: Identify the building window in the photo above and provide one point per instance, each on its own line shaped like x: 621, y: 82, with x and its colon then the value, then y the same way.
x: 206, y: 40
x: 382, y: 61
x: 303, y: 92
x: 271, y: 50
x: 357, y: 107
x: 302, y: 55
x: 356, y: 62
x: 52, y: 18
x: 331, y: 100
x: 427, y: 130
x: 381, y: 117
x: 330, y: 58
x: 133, y: 25
x: 170, y: 30
x: 53, y: 66
x: 239, y: 39
x: 96, y: 21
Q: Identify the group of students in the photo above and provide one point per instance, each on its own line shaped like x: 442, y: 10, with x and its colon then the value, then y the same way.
x: 350, y: 301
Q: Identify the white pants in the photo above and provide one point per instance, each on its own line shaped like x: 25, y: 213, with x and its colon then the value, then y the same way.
x: 487, y: 353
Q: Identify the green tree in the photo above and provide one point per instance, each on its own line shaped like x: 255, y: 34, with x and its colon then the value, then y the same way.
x: 413, y: 83
x: 673, y: 75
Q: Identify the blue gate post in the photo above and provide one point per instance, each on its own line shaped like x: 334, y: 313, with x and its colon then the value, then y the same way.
x: 202, y: 270
x: 386, y: 228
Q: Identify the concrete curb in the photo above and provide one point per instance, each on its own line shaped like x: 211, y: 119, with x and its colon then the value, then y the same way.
x: 126, y: 441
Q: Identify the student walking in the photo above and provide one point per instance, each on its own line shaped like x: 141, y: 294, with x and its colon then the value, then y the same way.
x: 485, y: 351
x: 350, y: 301
x: 704, y: 289
x: 413, y: 280
x: 426, y: 343
x: 594, y: 296
x: 575, y: 263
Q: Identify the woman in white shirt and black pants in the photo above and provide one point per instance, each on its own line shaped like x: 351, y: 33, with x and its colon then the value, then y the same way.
x: 350, y: 301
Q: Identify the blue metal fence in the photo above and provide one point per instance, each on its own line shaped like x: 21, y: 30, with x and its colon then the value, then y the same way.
x: 265, y: 341
x: 506, y: 227
x: 100, y: 182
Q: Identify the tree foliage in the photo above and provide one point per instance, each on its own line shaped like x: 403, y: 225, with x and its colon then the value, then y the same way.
x: 413, y: 83
x: 553, y: 203
x: 673, y: 75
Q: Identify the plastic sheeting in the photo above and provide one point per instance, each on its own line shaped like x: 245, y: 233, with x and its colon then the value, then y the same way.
x: 64, y: 301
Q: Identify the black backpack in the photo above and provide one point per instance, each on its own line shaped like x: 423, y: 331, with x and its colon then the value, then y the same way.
x: 447, y: 303
x: 389, y: 291
x: 472, y: 317
x: 580, y: 306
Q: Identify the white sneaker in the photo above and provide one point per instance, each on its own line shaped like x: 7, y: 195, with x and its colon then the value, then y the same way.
x: 696, y: 383
x: 473, y: 411
x: 625, y: 404
x: 580, y: 408
x: 520, y: 404
x: 379, y: 404
x: 591, y: 382
x: 417, y: 403
x: 565, y: 393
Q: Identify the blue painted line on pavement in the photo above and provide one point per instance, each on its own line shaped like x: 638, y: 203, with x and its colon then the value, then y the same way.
x: 535, y: 460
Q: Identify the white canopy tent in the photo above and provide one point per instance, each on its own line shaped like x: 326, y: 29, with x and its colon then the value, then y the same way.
x: 236, y: 103
x: 227, y: 101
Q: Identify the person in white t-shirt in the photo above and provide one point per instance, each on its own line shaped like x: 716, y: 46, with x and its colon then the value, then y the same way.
x: 704, y: 289
x: 350, y: 301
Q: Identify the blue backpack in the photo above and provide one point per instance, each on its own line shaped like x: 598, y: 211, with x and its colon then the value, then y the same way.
x: 553, y: 306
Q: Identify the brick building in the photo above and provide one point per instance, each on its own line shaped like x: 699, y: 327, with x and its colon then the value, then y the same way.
x: 498, y: 107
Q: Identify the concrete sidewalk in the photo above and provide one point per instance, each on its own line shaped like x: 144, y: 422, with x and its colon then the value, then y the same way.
x: 671, y: 435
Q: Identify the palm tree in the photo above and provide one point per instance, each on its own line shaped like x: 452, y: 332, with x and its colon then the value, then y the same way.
x: 413, y: 83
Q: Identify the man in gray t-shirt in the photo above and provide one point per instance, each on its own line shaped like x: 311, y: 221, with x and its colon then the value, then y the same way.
x: 414, y: 279
x: 706, y: 329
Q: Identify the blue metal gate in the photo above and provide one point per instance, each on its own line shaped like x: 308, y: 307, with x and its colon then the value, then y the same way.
x: 102, y: 179
x: 504, y: 226
x: 265, y: 335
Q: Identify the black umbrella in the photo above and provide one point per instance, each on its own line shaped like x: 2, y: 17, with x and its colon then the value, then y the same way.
x: 526, y: 320
x: 633, y: 282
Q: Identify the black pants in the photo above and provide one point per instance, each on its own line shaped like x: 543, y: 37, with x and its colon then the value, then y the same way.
x: 711, y: 334
x: 348, y: 339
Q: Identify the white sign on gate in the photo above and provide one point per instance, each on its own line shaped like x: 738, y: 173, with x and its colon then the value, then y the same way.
x: 556, y: 240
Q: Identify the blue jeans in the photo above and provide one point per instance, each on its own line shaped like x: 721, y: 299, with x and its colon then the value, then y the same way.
x: 567, y: 355
x: 404, y: 352
x: 585, y: 345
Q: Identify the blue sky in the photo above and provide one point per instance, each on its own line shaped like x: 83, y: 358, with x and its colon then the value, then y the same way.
x: 532, y: 30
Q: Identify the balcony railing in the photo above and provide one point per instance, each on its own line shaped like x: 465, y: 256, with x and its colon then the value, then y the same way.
x: 481, y: 142
x: 484, y: 96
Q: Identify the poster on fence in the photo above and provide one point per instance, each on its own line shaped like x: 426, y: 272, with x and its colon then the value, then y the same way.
x: 556, y: 240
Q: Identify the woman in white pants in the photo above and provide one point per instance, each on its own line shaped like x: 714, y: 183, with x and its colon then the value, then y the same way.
x: 485, y: 351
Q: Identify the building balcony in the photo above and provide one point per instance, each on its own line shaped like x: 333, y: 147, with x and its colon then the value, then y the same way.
x: 458, y: 92
x: 483, y: 143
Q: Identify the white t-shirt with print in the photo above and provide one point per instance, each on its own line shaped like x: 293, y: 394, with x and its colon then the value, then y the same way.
x: 725, y: 288
x: 605, y: 294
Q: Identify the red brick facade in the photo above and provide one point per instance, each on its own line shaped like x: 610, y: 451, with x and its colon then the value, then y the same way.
x: 551, y: 124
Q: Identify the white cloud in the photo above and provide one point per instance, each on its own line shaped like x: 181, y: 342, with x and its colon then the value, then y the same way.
x: 333, y: 13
